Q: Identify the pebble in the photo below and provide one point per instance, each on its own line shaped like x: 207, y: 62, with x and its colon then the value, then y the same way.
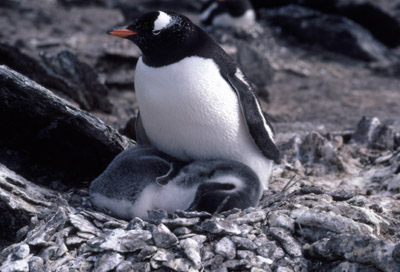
x: 163, y: 237
x: 226, y: 248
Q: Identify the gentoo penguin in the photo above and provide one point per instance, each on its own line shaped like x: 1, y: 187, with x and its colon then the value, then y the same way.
x: 194, y: 101
x: 143, y: 178
x: 228, y: 13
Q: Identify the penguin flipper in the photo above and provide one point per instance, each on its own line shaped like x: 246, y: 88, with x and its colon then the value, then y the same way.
x: 259, y: 127
x: 141, y: 136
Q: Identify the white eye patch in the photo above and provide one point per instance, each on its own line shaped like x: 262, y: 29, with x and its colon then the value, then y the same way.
x: 162, y: 21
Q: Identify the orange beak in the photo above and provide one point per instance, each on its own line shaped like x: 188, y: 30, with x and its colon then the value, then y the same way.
x: 121, y: 32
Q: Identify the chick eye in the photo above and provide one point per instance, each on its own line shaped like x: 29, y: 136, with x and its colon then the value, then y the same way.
x: 156, y: 32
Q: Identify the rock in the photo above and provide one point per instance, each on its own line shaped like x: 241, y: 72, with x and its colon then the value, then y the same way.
x: 179, y: 264
x: 41, y: 236
x: 375, y: 134
x: 20, y: 252
x: 277, y: 219
x: 162, y: 256
x: 256, y: 67
x: 36, y: 264
x: 245, y: 243
x: 333, y: 32
x: 63, y: 73
x: 220, y: 227
x: 364, y: 250
x: 16, y: 266
x: 155, y: 216
x: 226, y: 248
x: 82, y: 224
x: 88, y: 91
x: 192, y: 251
x: 382, y: 26
x: 180, y: 222
x: 147, y: 252
x: 124, y: 266
x: 163, y: 237
x: 120, y: 241
x: 108, y: 262
x: 47, y: 138
x: 290, y: 245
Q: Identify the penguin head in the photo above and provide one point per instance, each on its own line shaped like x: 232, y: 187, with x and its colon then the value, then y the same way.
x: 159, y: 33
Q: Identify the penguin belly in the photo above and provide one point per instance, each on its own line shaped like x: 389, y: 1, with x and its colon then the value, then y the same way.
x: 226, y: 20
x: 190, y: 112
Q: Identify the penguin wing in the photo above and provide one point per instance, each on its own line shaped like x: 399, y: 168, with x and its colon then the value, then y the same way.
x: 141, y: 136
x: 259, y: 127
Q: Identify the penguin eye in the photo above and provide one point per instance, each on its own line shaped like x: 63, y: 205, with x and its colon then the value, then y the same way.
x: 156, y: 32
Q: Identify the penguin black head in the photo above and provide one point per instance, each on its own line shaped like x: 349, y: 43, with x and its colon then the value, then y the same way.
x: 160, y: 35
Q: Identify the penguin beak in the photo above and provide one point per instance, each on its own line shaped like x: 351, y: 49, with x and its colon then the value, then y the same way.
x: 121, y: 32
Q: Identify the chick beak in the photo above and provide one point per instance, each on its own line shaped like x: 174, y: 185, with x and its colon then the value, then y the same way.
x: 121, y: 32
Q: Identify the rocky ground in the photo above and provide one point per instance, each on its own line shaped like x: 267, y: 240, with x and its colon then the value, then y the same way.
x: 333, y: 203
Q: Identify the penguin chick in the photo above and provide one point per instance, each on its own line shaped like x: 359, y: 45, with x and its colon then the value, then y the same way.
x: 194, y: 101
x: 228, y: 13
x: 143, y: 178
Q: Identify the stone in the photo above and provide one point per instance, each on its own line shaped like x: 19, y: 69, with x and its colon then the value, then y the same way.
x: 124, y: 266
x: 147, y: 252
x: 361, y: 249
x: 375, y: 134
x: 161, y: 256
x: 244, y: 243
x: 192, y: 251
x: 108, y: 261
x: 68, y: 137
x: 289, y: 243
x: 155, y: 216
x: 332, y: 32
x: 163, y: 237
x: 280, y: 220
x: 36, y: 264
x: 332, y: 222
x: 20, y: 252
x: 226, y: 248
x: 120, y: 241
x: 82, y: 224
x: 15, y: 266
x: 220, y: 226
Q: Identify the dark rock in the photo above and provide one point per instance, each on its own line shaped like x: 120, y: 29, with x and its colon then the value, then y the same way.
x: 382, y: 26
x: 48, y: 139
x: 372, y: 132
x: 84, y: 85
x: 62, y: 73
x: 333, y: 32
x: 256, y: 67
x: 341, y: 195
x: 156, y: 216
x: 396, y: 253
x: 378, y: 22
x: 129, y: 129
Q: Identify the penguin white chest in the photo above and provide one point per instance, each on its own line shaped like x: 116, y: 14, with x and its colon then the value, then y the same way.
x: 188, y: 110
